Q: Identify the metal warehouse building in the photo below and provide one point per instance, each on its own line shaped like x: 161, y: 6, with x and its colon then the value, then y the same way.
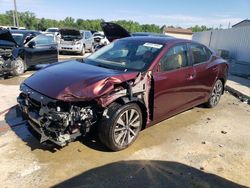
x: 236, y: 40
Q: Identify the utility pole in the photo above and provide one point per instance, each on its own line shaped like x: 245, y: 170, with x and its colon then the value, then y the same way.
x: 16, y: 15
x: 14, y: 19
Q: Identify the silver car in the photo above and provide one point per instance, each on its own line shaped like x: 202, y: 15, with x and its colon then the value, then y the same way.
x: 73, y: 40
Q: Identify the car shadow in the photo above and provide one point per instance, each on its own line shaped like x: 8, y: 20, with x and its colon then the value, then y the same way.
x: 21, y: 128
x: 144, y: 173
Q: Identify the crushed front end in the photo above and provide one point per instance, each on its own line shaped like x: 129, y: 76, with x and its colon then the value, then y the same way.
x: 57, y: 121
x: 5, y: 61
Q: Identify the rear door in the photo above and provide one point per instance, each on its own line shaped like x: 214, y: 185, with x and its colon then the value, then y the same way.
x: 174, y: 83
x: 206, y: 70
x: 43, y: 51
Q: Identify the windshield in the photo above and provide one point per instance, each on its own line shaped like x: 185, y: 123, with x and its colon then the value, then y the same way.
x: 18, y: 37
x: 126, y: 55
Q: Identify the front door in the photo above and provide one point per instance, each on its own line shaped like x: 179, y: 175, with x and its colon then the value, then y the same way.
x: 44, y: 51
x: 174, y: 83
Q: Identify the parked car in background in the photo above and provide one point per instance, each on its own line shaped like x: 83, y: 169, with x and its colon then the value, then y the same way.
x: 21, y: 49
x: 88, y: 40
x: 73, y: 40
x: 12, y: 28
x: 100, y: 38
x: 113, y: 31
x: 126, y: 86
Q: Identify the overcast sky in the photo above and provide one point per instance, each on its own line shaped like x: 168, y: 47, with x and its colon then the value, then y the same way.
x: 183, y: 13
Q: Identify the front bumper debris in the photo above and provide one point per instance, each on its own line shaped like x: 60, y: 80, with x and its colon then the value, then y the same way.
x: 54, y: 122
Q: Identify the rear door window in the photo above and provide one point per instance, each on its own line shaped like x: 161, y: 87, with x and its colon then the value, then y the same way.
x: 199, y: 53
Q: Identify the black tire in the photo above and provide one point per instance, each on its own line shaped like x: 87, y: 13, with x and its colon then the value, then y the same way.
x: 110, y: 130
x: 215, y: 95
x: 92, y: 49
x: 83, y: 50
x: 18, y: 67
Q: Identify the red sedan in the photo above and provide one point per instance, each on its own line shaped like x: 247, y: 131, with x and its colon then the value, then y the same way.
x: 123, y: 88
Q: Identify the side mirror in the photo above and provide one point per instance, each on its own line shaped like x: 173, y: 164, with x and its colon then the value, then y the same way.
x: 32, y: 44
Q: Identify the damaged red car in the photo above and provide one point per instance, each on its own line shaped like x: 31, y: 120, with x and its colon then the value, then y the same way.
x: 127, y: 86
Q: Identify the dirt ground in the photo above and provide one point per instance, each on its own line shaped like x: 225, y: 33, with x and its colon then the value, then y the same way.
x: 198, y: 148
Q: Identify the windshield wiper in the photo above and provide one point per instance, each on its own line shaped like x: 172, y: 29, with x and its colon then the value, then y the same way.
x: 103, y: 66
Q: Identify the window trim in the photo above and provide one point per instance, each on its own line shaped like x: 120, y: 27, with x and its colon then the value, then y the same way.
x: 189, y: 64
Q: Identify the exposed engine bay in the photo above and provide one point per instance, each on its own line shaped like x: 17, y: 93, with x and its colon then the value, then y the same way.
x: 56, y: 121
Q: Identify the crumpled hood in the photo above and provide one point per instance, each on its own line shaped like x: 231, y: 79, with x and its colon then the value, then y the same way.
x: 6, y: 35
x: 76, y: 81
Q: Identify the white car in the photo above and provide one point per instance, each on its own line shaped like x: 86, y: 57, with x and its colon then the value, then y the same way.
x: 73, y: 40
x: 100, y: 38
x: 88, y: 40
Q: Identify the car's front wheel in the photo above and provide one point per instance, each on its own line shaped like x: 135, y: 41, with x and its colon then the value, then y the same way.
x: 83, y: 50
x: 120, y: 126
x: 216, y: 94
x: 18, y: 67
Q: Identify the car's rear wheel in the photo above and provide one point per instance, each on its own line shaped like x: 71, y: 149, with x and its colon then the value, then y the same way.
x: 216, y: 94
x: 18, y: 67
x: 121, y: 125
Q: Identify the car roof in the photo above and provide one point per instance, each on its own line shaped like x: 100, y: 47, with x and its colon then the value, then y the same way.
x: 156, y: 39
x: 149, y: 34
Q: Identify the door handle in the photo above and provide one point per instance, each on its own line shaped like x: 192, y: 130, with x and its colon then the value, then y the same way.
x: 190, y: 76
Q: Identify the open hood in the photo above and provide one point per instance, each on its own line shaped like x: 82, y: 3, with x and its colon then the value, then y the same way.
x: 6, y: 36
x: 72, y: 32
x: 114, y: 31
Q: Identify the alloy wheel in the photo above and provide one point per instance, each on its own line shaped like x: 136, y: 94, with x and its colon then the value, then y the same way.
x: 216, y: 93
x: 19, y: 66
x: 127, y: 127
